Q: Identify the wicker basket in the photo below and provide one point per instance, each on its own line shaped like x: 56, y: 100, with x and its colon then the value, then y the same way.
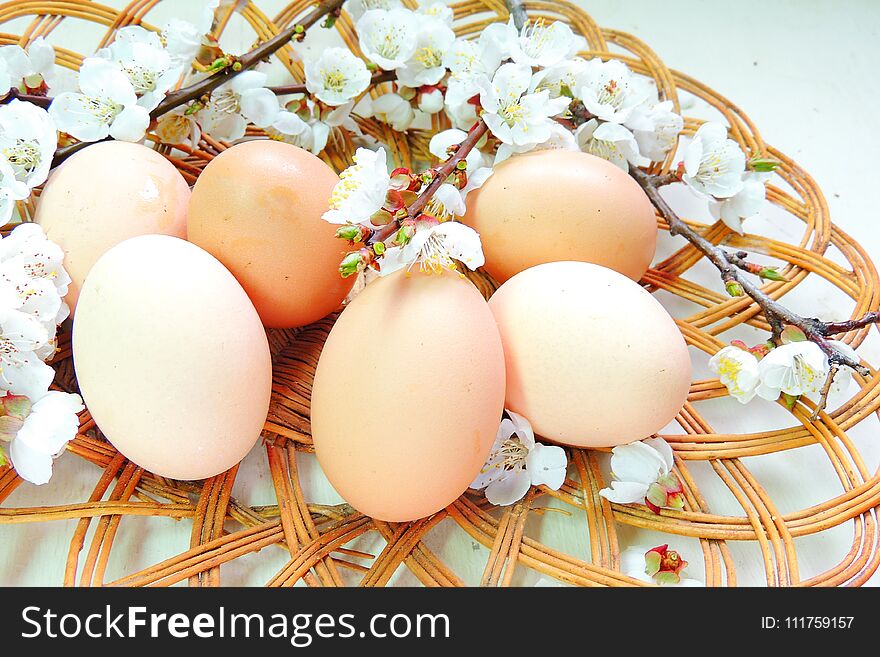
x: 317, y: 541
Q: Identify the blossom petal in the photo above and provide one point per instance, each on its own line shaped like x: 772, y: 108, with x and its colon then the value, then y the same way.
x: 30, y: 464
x: 625, y: 492
x: 259, y: 106
x: 663, y: 449
x: 508, y: 489
x: 637, y: 462
x: 130, y: 124
x: 546, y: 464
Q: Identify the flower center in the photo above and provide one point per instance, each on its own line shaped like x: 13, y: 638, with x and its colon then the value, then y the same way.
x: 434, y: 258
x: 429, y: 57
x: 24, y: 156
x: 612, y: 92
x: 513, y: 113
x: 349, y: 183
x: 607, y: 150
x: 103, y: 108
x: 438, y: 210
x: 226, y: 102
x: 334, y: 80
x: 386, y: 42
x: 714, y: 163
x: 142, y: 79
x: 513, y: 453
x: 534, y: 38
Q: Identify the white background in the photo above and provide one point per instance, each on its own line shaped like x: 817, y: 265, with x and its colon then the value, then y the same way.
x: 804, y: 71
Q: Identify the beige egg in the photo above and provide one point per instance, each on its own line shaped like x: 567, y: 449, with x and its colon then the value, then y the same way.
x: 171, y: 358
x: 408, y: 395
x: 553, y: 205
x: 593, y: 360
x: 105, y: 194
x: 257, y: 208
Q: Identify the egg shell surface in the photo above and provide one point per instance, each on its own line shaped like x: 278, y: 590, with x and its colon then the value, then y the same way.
x: 555, y: 205
x: 171, y: 358
x: 593, y: 359
x: 408, y: 395
x: 257, y: 208
x: 105, y: 194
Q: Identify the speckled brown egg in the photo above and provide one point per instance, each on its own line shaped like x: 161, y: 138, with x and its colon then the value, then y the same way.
x: 552, y: 205
x: 257, y: 208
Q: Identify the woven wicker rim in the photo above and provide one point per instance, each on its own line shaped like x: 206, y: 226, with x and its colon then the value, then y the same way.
x: 315, y: 536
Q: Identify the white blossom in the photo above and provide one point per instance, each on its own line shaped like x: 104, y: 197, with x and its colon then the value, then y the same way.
x: 469, y: 61
x: 656, y: 128
x: 357, y: 8
x: 28, y: 140
x: 394, y: 110
x: 560, y: 138
x: 744, y: 204
x: 178, y: 127
x: 436, y: 246
x: 609, y: 92
x: 637, y: 467
x: 106, y: 105
x: 563, y: 79
x: 244, y: 99
x: 514, y: 116
x: 11, y: 190
x: 148, y: 66
x: 5, y: 78
x: 361, y: 189
x: 425, y: 67
x: 796, y: 368
x: 540, y: 44
x: 183, y: 39
x: 713, y: 163
x: 738, y: 371
x: 311, y: 135
x: 388, y: 37
x: 436, y: 9
x: 43, y: 435
x: 22, y: 372
x: 30, y: 68
x: 337, y: 76
x: 518, y: 462
x: 610, y: 141
x: 35, y: 265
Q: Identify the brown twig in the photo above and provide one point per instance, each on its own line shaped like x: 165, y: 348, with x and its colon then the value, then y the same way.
x: 207, y: 85
x: 776, y: 314
x: 517, y: 12
x: 826, y: 388
x: 35, y: 99
x: 440, y: 175
x: 300, y: 87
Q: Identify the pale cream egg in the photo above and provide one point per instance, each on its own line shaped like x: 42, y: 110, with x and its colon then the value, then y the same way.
x: 593, y: 359
x: 171, y: 358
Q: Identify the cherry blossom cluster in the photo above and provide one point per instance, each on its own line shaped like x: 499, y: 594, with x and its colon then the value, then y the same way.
x: 36, y: 422
x: 796, y: 367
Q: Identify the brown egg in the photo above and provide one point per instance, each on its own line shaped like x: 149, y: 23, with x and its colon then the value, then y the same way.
x: 552, y: 205
x: 593, y: 359
x: 106, y: 194
x: 408, y: 395
x: 257, y: 208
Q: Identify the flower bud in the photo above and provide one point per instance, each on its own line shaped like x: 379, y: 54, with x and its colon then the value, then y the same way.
x: 771, y: 274
x: 407, y: 93
x: 354, y: 263
x: 352, y: 233
x: 734, y: 289
x: 405, y: 234
x: 664, y: 565
x: 762, y: 164
x: 431, y: 102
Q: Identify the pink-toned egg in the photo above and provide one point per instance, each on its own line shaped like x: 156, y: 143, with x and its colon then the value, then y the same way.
x: 408, y: 395
x: 171, y: 358
x: 593, y: 359
x: 105, y: 194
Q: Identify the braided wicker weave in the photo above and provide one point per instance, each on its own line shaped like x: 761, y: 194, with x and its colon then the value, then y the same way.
x: 317, y: 542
